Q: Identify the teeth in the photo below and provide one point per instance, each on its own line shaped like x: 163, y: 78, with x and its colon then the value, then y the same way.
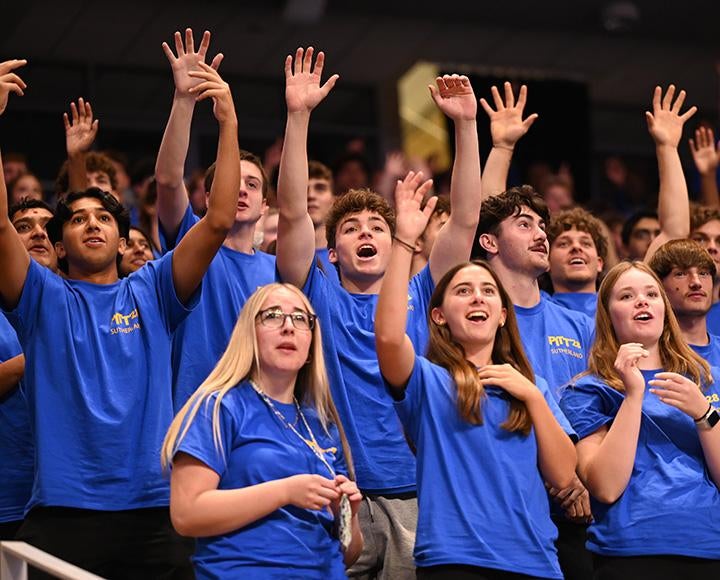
x: 577, y: 261
x: 642, y: 317
x: 477, y: 315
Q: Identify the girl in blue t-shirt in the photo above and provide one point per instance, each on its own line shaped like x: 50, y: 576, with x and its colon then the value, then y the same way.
x: 649, y: 449
x: 486, y: 435
x: 259, y: 461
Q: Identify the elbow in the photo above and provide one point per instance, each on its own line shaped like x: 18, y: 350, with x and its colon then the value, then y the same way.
x: 607, y: 494
x: 219, y: 223
x: 165, y: 180
x: 183, y: 524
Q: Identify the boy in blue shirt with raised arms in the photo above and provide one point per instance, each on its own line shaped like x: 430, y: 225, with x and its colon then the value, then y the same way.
x: 100, y: 400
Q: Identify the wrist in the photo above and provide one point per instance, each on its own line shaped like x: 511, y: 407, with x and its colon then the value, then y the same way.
x: 403, y: 243
x: 504, y: 147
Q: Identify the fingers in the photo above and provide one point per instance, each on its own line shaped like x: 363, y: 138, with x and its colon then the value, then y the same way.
x: 298, y: 60
x: 215, y: 64
x: 484, y: 104
x: 688, y: 114
x: 189, y: 42
x: 509, y: 97
x: 168, y: 53
x: 179, y: 48
x: 527, y: 123
x: 329, y: 84
x: 10, y: 65
x: 499, y: 105
x: 667, y: 100
x: 204, y: 44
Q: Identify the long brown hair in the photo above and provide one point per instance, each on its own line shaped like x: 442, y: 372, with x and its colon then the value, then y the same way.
x: 240, y: 362
x: 445, y: 351
x: 676, y: 356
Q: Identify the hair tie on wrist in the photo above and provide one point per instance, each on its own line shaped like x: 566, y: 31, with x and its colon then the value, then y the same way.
x: 409, y: 247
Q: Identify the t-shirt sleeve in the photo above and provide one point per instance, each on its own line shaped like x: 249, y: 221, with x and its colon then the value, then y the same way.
x: 199, y: 441
x: 34, y: 299
x: 555, y: 408
x: 584, y: 406
x: 408, y: 403
x: 188, y: 221
x: 159, y: 274
x: 419, y: 293
x: 9, y: 345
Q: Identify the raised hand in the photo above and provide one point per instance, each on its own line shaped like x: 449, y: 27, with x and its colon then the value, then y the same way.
x: 665, y: 123
x: 506, y: 122
x: 411, y: 217
x: 312, y: 492
x: 454, y: 96
x: 626, y: 361
x: 705, y: 153
x: 187, y: 60
x: 509, y: 379
x: 680, y: 392
x: 212, y: 86
x: 303, y: 91
x: 81, y: 130
x: 10, y: 82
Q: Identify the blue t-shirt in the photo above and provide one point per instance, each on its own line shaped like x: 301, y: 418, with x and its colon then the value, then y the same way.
x: 290, y: 542
x: 201, y: 340
x: 585, y: 302
x: 713, y: 319
x: 98, y: 385
x: 383, y: 460
x: 556, y: 341
x: 711, y: 351
x: 482, y: 500
x: 330, y: 269
x: 16, y: 443
x: 670, y: 505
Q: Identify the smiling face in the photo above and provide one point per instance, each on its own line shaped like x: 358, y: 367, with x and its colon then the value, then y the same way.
x: 362, y: 246
x: 31, y: 226
x: 689, y: 291
x: 282, y: 351
x: 90, y: 239
x: 472, y: 308
x: 521, y: 243
x: 636, y: 308
x: 708, y: 236
x: 574, y: 261
x: 137, y: 253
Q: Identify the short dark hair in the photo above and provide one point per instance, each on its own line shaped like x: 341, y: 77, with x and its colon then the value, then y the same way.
x: 63, y: 214
x: 632, y: 221
x: 498, y: 208
x: 27, y: 203
x: 244, y: 156
x: 681, y: 254
x: 93, y: 162
x: 700, y: 215
x: 355, y: 201
x: 317, y: 170
x: 583, y: 221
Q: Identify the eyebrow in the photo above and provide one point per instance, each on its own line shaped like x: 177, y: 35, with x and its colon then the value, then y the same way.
x: 482, y: 284
x: 357, y: 220
x: 89, y: 209
x: 647, y: 287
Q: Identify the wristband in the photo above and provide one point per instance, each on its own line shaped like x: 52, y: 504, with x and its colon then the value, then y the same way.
x: 409, y: 247
x: 705, y: 414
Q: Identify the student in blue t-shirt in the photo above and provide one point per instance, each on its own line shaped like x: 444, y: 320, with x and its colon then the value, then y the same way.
x: 139, y: 251
x: 687, y: 272
x: 359, y: 230
x: 649, y: 449
x: 486, y: 436
x: 99, y: 398
x: 259, y: 460
x: 238, y: 269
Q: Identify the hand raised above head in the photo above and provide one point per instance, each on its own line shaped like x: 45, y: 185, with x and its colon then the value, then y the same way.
x: 10, y: 82
x: 705, y: 153
x: 454, y: 96
x: 410, y: 215
x: 187, y: 59
x: 506, y: 122
x: 665, y: 123
x: 211, y: 85
x: 80, y: 128
x: 303, y: 91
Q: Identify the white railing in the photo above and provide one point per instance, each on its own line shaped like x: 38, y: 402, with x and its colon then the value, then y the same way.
x: 16, y: 556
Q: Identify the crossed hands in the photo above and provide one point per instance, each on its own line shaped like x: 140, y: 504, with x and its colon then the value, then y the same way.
x: 188, y: 59
x: 411, y: 216
x: 10, y: 82
x: 575, y: 500
x: 665, y: 123
x: 303, y: 91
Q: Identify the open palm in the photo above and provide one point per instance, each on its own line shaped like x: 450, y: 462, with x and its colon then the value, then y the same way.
x: 454, y: 96
x: 303, y: 91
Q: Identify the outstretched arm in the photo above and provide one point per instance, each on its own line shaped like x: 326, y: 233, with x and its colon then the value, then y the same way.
x: 198, y: 247
x: 395, y: 352
x: 506, y: 129
x: 296, y: 234
x: 80, y: 133
x: 170, y: 164
x: 665, y: 124
x: 454, y: 96
x: 707, y: 158
x: 14, y: 259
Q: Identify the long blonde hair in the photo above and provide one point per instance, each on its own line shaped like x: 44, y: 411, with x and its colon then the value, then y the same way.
x: 240, y: 362
x: 675, y: 354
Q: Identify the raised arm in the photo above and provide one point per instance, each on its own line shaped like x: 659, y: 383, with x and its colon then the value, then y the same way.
x: 395, y: 352
x: 198, y: 247
x: 454, y: 97
x: 296, y: 234
x: 506, y: 129
x: 665, y: 124
x: 172, y: 197
x: 706, y: 156
x: 80, y: 133
x: 14, y: 259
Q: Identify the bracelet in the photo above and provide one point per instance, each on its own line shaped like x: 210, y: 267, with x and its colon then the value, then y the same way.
x: 409, y: 247
x: 704, y: 415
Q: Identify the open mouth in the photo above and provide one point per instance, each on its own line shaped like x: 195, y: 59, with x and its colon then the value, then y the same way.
x: 578, y: 262
x: 643, y: 316
x: 94, y: 242
x: 366, y: 251
x: 539, y: 248
x: 477, y: 316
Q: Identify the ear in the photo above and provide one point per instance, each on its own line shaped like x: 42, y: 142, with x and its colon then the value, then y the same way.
x: 419, y: 245
x: 601, y: 264
x: 332, y: 256
x: 122, y: 246
x: 489, y: 243
x: 437, y: 316
x: 207, y: 198
x: 503, y: 317
x: 60, y: 250
x: 263, y: 207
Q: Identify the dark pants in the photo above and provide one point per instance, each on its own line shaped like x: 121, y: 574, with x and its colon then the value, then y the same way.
x: 655, y: 567
x: 8, y: 530
x: 461, y: 572
x: 576, y: 562
x: 133, y: 544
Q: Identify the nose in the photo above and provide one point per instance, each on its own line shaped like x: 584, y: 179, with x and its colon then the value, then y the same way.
x: 38, y: 232
x: 92, y: 223
x: 287, y: 326
x: 694, y: 281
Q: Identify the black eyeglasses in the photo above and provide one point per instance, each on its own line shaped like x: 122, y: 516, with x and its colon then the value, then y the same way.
x: 275, y: 318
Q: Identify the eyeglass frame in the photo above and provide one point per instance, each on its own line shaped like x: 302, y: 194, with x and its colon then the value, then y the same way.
x: 311, y: 318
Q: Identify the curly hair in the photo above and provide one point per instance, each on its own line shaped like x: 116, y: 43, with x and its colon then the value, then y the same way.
x: 356, y: 201
x: 583, y: 221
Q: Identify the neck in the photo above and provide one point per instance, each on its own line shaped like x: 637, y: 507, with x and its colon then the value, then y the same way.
x: 365, y: 286
x: 694, y: 329
x: 522, y: 288
x: 241, y: 237
x: 479, y: 355
x: 278, y: 385
x: 108, y: 275
x: 320, y: 239
x: 653, y: 360
x: 571, y: 286
x: 418, y: 263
